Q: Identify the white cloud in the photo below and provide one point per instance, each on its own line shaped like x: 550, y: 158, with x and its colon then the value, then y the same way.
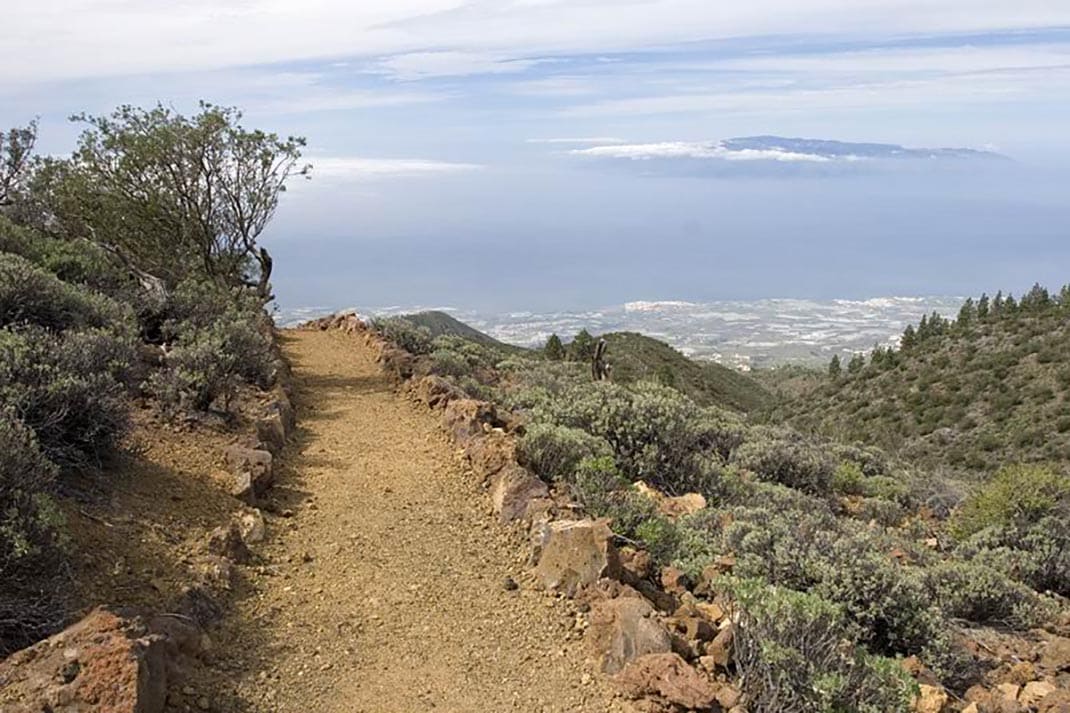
x: 344, y: 169
x: 686, y: 150
x: 425, y: 65
x: 65, y: 39
x: 590, y: 140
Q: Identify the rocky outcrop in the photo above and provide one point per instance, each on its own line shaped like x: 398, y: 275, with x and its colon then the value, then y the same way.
x: 103, y: 663
x: 513, y: 490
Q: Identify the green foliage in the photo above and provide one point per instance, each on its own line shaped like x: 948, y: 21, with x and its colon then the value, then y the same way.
x: 783, y: 457
x: 31, y: 537
x: 981, y: 594
x: 31, y: 295
x: 553, y: 452
x: 1016, y: 496
x: 848, y: 479
x: 582, y: 346
x: 74, y: 261
x: 554, y: 349
x: 798, y: 654
x: 182, y: 196
x: 400, y: 331
x: 835, y: 370
x: 209, y: 363
x: 68, y: 388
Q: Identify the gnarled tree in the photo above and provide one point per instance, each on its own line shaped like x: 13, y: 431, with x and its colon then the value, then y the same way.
x: 181, y: 195
x: 16, y: 151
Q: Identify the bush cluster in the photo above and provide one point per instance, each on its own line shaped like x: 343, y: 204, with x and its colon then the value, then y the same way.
x: 410, y: 337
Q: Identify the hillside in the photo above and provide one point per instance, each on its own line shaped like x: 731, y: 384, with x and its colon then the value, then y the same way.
x: 441, y: 324
x: 635, y: 357
x: 987, y: 389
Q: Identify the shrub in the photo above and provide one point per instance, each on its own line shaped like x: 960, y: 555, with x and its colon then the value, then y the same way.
x: 1016, y: 496
x: 652, y: 429
x: 887, y: 600
x: 602, y: 491
x: 983, y: 595
x: 68, y: 389
x: 847, y: 479
x: 29, y: 522
x: 400, y: 331
x: 553, y: 452
x: 30, y: 537
x: 1037, y: 554
x: 76, y: 261
x: 210, y: 363
x: 30, y: 295
x: 783, y: 457
x: 797, y: 653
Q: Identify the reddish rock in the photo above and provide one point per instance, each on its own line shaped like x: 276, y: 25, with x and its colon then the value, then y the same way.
x: 623, y: 629
x: 682, y: 505
x: 931, y: 699
x: 1057, y: 701
x: 720, y: 649
x: 1035, y: 691
x: 436, y: 392
x: 575, y: 553
x: 490, y: 453
x: 272, y: 432
x: 512, y: 490
x: 397, y: 362
x: 668, y: 679
x: 1056, y: 654
x: 103, y: 664
x: 674, y: 581
x: 467, y: 418
x: 636, y: 564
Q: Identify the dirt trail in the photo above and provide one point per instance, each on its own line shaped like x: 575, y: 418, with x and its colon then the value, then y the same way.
x: 384, y: 590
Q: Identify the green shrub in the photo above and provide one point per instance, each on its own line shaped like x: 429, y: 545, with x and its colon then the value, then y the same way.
x: 783, y: 457
x: 553, y: 452
x: 400, y: 331
x: 798, y: 654
x: 210, y: 363
x: 75, y: 261
x: 68, y: 388
x: 1016, y: 496
x: 30, y: 295
x: 602, y: 491
x: 1037, y: 554
x: 847, y: 479
x: 885, y: 599
x: 30, y: 537
x: 446, y: 362
x: 654, y: 431
x: 981, y: 594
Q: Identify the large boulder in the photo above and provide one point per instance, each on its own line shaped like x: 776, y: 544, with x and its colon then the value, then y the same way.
x: 623, y: 629
x: 666, y: 679
x: 102, y: 663
x: 575, y: 553
x: 512, y: 491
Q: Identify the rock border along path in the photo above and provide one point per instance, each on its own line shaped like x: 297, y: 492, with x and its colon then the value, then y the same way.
x: 389, y: 589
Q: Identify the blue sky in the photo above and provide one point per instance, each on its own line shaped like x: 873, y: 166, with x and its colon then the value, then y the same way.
x: 562, y: 154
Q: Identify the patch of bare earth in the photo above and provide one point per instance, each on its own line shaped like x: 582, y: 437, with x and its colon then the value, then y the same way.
x: 385, y: 589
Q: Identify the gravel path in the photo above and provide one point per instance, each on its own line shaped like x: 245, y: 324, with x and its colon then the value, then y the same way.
x: 383, y: 582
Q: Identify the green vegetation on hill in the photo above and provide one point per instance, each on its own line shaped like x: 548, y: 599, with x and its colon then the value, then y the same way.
x: 636, y: 357
x: 440, y: 324
x: 842, y: 557
x: 988, y: 389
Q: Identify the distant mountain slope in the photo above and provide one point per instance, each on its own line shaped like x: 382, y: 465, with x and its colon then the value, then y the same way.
x: 440, y: 324
x: 634, y: 356
x: 990, y: 388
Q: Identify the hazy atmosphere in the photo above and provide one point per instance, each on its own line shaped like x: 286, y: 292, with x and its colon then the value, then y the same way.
x: 561, y: 155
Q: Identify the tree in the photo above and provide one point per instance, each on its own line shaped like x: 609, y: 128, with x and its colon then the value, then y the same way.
x: 982, y: 307
x: 554, y: 349
x: 857, y: 363
x: 16, y: 153
x: 181, y: 195
x: 582, y: 347
x: 967, y: 314
x: 909, y: 339
x: 834, y: 366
